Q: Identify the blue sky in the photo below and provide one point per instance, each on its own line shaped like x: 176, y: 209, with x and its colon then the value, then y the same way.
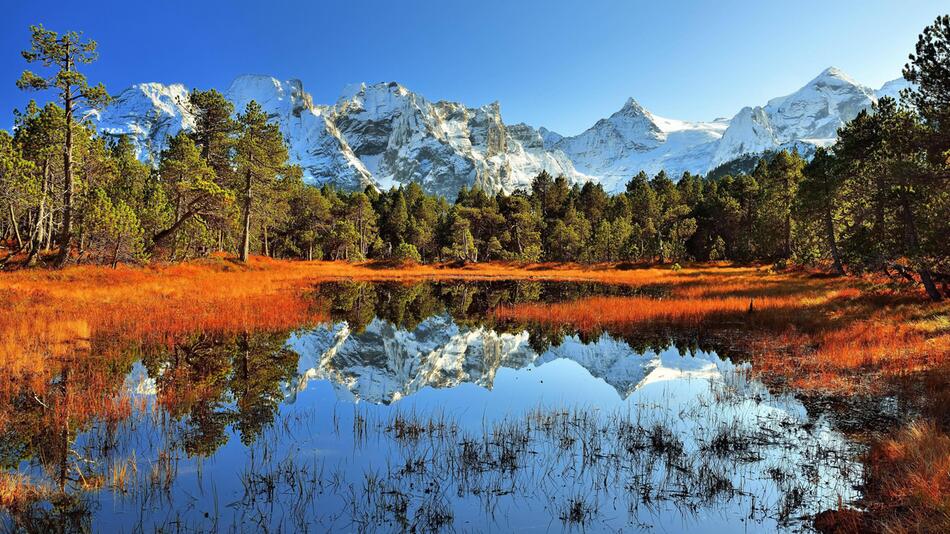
x: 557, y: 64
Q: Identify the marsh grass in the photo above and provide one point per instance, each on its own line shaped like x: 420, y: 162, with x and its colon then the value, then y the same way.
x: 832, y: 335
x: 649, y: 460
x: 65, y: 347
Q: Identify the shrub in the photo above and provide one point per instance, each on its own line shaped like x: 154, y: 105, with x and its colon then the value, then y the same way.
x: 407, y: 252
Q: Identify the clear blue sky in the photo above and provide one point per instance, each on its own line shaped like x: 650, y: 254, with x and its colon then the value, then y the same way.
x: 550, y: 63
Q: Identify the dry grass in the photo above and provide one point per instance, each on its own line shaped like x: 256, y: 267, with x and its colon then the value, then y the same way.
x: 17, y: 491
x: 913, y: 468
x: 829, y: 334
x: 908, y: 483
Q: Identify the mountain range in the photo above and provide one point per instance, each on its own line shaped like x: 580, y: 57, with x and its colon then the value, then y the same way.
x: 384, y: 135
x: 383, y: 363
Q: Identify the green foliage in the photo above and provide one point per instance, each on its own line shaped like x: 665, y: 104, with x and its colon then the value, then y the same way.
x: 63, y: 52
x: 406, y: 252
x: 929, y: 71
x: 460, y: 242
x: 260, y: 165
x: 113, y: 230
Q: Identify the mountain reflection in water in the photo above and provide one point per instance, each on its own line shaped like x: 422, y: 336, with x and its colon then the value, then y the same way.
x: 413, y: 409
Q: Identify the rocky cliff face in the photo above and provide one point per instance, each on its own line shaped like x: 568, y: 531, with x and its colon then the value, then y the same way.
x: 380, y: 135
x: 384, y: 135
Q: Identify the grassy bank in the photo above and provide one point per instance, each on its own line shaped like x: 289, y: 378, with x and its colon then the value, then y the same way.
x: 826, y: 337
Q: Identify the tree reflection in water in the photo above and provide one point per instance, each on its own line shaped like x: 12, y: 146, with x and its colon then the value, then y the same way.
x: 148, y: 428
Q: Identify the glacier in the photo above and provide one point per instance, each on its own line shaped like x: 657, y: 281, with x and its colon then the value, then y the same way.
x: 383, y: 135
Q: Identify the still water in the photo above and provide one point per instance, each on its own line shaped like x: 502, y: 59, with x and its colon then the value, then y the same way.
x: 412, y: 409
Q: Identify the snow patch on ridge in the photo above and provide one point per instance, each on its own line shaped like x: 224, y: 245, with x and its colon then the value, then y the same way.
x: 384, y: 135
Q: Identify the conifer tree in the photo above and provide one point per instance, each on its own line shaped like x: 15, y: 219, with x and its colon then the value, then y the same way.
x: 929, y: 70
x: 818, y: 197
x: 260, y: 161
x: 192, y: 188
x: 63, y: 54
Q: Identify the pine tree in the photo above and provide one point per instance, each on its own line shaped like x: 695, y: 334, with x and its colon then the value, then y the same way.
x: 64, y: 54
x: 890, y: 184
x: 191, y: 186
x: 214, y: 128
x: 360, y: 214
x: 461, y: 244
x: 929, y: 70
x: 645, y: 214
x: 784, y: 174
x: 397, y: 220
x: 524, y: 223
x: 818, y: 197
x: 260, y: 162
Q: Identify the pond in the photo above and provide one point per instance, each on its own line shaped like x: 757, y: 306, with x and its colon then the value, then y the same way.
x: 415, y: 409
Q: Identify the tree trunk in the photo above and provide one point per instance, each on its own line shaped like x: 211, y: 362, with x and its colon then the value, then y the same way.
x: 36, y: 240
x: 833, y: 243
x: 163, y: 236
x: 40, y: 220
x: 49, y: 231
x: 913, y: 242
x: 115, y: 252
x: 67, y: 228
x: 34, y: 248
x: 16, y: 228
x: 362, y: 232
x: 787, y: 252
x: 266, y: 243
x: 246, y: 227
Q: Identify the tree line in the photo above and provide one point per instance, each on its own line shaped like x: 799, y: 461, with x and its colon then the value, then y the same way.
x: 876, y: 200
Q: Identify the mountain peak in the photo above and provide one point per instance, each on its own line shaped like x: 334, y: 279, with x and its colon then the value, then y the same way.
x: 378, y: 90
x: 835, y: 76
x: 632, y: 108
x: 273, y: 95
x: 893, y: 88
x: 832, y: 71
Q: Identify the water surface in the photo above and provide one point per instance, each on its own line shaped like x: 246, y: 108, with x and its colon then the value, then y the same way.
x: 413, y: 409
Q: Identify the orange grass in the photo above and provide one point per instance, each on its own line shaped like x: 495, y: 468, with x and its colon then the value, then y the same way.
x: 832, y: 334
x: 816, y: 331
x: 17, y: 491
x: 908, y: 480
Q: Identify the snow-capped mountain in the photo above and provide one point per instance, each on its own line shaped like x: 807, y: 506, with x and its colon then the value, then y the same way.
x: 811, y: 115
x: 383, y: 364
x: 149, y: 113
x: 384, y: 135
x: 633, y: 139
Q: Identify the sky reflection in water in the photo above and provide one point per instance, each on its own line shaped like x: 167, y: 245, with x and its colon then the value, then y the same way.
x: 433, y: 423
